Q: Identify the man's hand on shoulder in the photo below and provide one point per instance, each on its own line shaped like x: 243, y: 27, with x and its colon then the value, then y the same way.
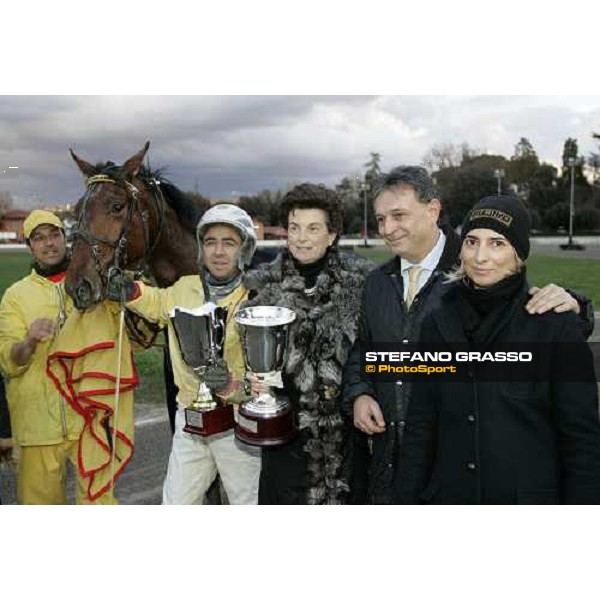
x: 551, y: 297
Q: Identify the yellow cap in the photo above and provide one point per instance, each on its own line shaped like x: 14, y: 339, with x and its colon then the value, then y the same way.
x: 40, y: 217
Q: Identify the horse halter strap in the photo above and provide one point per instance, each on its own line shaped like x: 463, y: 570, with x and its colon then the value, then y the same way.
x: 120, y: 245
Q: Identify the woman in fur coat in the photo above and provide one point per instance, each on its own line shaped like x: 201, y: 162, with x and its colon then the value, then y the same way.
x: 323, y: 286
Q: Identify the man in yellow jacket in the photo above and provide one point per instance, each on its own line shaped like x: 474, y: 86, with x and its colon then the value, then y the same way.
x: 226, y: 241
x: 32, y: 312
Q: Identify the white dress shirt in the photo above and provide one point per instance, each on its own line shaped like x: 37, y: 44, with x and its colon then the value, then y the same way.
x: 428, y: 264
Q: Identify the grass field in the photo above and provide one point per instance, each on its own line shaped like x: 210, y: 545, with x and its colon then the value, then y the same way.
x: 14, y: 265
x: 581, y: 274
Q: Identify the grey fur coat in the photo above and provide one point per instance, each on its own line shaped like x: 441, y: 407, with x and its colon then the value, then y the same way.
x: 320, y: 338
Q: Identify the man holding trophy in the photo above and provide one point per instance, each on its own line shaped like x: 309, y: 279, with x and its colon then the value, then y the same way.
x: 207, y: 358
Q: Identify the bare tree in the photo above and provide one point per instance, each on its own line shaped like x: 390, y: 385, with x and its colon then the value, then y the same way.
x: 441, y: 156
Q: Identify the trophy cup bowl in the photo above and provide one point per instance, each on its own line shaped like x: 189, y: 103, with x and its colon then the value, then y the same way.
x: 201, y: 336
x: 265, y: 420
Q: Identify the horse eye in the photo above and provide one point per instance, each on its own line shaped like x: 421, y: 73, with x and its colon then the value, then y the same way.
x: 118, y: 207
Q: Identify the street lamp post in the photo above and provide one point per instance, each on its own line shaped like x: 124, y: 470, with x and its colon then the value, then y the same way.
x: 499, y: 174
x: 572, y: 162
x: 365, y: 188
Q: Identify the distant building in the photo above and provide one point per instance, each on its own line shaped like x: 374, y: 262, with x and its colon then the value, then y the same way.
x: 59, y: 209
x: 259, y: 228
x: 11, y: 226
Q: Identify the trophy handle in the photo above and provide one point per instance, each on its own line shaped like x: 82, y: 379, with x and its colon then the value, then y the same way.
x: 217, y: 333
x: 283, y: 333
x: 212, y: 359
x: 266, y: 398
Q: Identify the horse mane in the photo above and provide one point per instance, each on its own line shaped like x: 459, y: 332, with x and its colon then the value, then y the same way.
x: 187, y: 210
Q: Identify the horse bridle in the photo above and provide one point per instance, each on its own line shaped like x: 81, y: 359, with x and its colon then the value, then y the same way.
x: 119, y: 246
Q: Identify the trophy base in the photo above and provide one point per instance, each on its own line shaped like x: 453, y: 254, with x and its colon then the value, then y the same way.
x: 209, y: 422
x: 264, y: 428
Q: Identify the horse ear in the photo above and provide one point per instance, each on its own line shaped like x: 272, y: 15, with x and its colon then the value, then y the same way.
x: 132, y: 165
x: 85, y: 167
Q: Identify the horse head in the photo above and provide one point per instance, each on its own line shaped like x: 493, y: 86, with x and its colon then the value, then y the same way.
x: 119, y: 219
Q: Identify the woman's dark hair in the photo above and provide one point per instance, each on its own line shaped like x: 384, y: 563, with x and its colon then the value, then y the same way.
x: 309, y: 195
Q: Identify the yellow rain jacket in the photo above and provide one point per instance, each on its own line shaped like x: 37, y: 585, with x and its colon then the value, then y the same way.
x: 155, y: 304
x: 39, y: 415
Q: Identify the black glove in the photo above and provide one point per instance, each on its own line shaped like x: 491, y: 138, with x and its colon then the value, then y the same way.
x: 216, y: 376
x: 120, y: 287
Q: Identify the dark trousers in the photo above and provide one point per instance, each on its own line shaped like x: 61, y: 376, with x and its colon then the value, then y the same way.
x: 283, y: 475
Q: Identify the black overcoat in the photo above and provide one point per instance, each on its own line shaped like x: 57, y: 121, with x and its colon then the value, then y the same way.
x: 478, y: 442
x: 385, y: 318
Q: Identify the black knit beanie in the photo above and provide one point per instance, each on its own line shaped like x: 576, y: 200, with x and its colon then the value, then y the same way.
x: 505, y: 214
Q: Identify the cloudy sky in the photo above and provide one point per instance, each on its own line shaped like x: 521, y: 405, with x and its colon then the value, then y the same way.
x: 231, y: 145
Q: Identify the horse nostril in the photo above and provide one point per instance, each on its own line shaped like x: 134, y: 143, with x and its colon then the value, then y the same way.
x: 83, y: 294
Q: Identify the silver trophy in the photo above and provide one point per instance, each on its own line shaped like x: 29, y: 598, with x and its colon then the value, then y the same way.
x: 200, y: 334
x: 265, y: 420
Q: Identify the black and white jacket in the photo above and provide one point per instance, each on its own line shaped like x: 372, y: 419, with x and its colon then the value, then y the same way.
x: 320, y: 338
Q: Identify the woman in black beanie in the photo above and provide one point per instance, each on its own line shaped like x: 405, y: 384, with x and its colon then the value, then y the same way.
x: 476, y: 441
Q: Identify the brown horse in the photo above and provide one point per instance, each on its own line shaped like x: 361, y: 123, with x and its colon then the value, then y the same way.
x: 129, y: 218
x: 132, y: 218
